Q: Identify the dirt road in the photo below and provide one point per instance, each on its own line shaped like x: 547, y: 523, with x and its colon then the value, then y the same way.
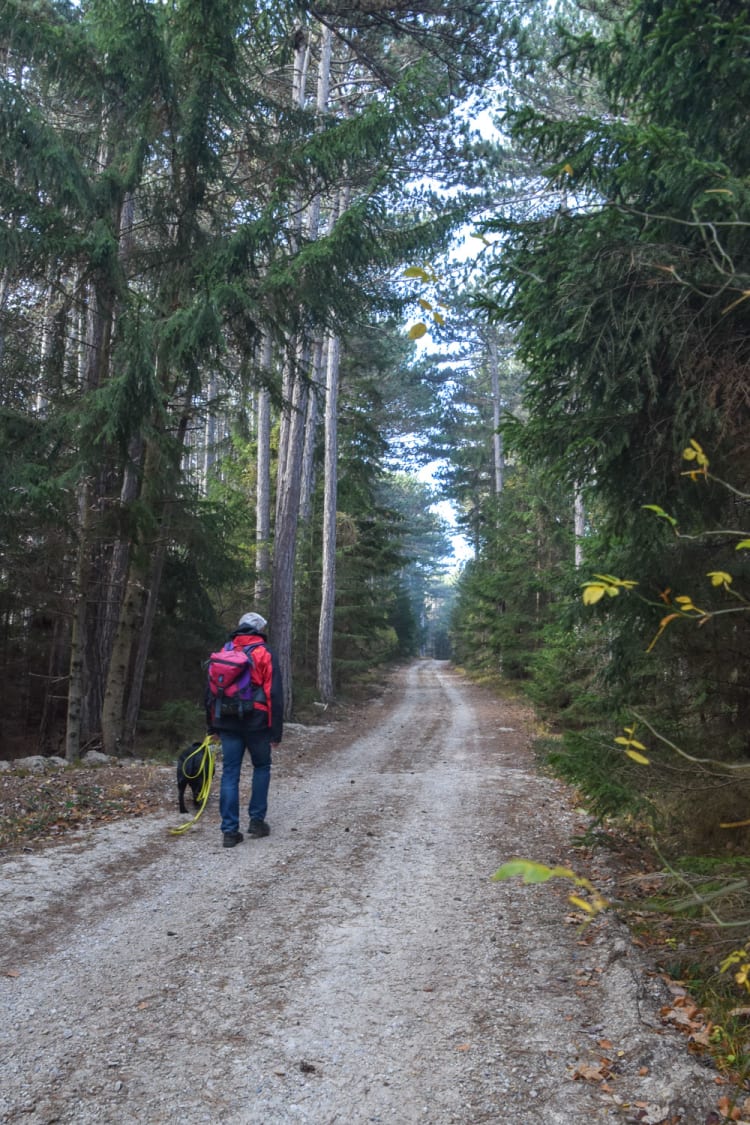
x: 359, y: 965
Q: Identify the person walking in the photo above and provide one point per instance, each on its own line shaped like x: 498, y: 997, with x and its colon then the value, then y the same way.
x: 258, y: 730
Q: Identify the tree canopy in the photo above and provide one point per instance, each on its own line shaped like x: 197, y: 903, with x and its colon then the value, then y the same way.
x: 219, y: 221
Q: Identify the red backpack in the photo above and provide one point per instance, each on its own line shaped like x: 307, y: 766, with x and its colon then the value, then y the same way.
x: 234, y: 690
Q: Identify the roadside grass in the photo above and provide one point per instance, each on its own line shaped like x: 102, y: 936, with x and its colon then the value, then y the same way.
x: 672, y: 913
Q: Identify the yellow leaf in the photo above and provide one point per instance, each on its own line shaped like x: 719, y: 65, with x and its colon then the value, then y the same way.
x: 581, y: 903
x: 568, y: 168
x: 629, y: 743
x: 417, y: 331
x: 743, y: 545
x: 662, y: 626
x: 425, y: 304
x: 719, y: 577
x: 694, y: 452
x: 416, y: 271
x: 438, y: 318
x: 593, y: 593
x: 641, y: 759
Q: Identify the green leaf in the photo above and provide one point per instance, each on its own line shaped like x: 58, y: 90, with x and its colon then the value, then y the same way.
x: 660, y: 513
x: 531, y: 871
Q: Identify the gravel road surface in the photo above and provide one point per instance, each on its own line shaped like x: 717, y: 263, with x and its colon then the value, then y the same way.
x: 358, y: 965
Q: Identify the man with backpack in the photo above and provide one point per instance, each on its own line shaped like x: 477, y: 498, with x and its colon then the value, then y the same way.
x: 244, y: 706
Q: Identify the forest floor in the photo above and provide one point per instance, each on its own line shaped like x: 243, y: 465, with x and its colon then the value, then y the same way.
x: 358, y: 965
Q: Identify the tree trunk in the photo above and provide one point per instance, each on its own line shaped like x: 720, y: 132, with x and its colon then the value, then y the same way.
x: 77, y: 664
x: 129, y: 622
x: 138, y: 677
x: 285, y: 538
x: 498, y: 457
x: 579, y: 525
x: 133, y: 640
x: 263, y: 486
x: 118, y: 567
x: 85, y: 678
x: 328, y: 590
x: 128, y: 625
x: 311, y: 431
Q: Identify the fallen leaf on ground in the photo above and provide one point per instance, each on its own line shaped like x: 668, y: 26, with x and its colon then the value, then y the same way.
x: 730, y: 1111
x: 592, y: 1072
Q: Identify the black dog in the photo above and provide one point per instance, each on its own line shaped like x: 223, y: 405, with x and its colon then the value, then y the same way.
x: 193, y: 769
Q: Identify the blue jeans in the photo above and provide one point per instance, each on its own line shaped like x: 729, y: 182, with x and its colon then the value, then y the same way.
x: 233, y: 746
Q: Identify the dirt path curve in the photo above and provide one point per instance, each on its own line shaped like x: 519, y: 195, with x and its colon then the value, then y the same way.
x: 359, y: 965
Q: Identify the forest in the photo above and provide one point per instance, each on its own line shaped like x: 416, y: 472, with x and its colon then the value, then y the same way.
x: 279, y: 280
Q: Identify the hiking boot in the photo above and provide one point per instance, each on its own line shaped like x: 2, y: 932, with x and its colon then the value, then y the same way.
x: 258, y: 828
x: 231, y: 839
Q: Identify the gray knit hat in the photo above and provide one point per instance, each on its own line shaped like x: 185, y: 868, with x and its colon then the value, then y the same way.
x: 253, y: 621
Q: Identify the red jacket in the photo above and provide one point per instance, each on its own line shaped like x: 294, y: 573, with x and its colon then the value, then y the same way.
x: 267, y: 673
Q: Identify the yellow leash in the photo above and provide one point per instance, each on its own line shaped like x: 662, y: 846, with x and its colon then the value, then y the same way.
x: 206, y: 768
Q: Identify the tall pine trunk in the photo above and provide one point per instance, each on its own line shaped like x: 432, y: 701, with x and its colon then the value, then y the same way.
x: 498, y: 457
x: 77, y: 664
x: 328, y: 589
x: 289, y: 490
x: 127, y: 666
x: 85, y: 681
x: 129, y: 622
x: 263, y: 486
x: 291, y: 444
